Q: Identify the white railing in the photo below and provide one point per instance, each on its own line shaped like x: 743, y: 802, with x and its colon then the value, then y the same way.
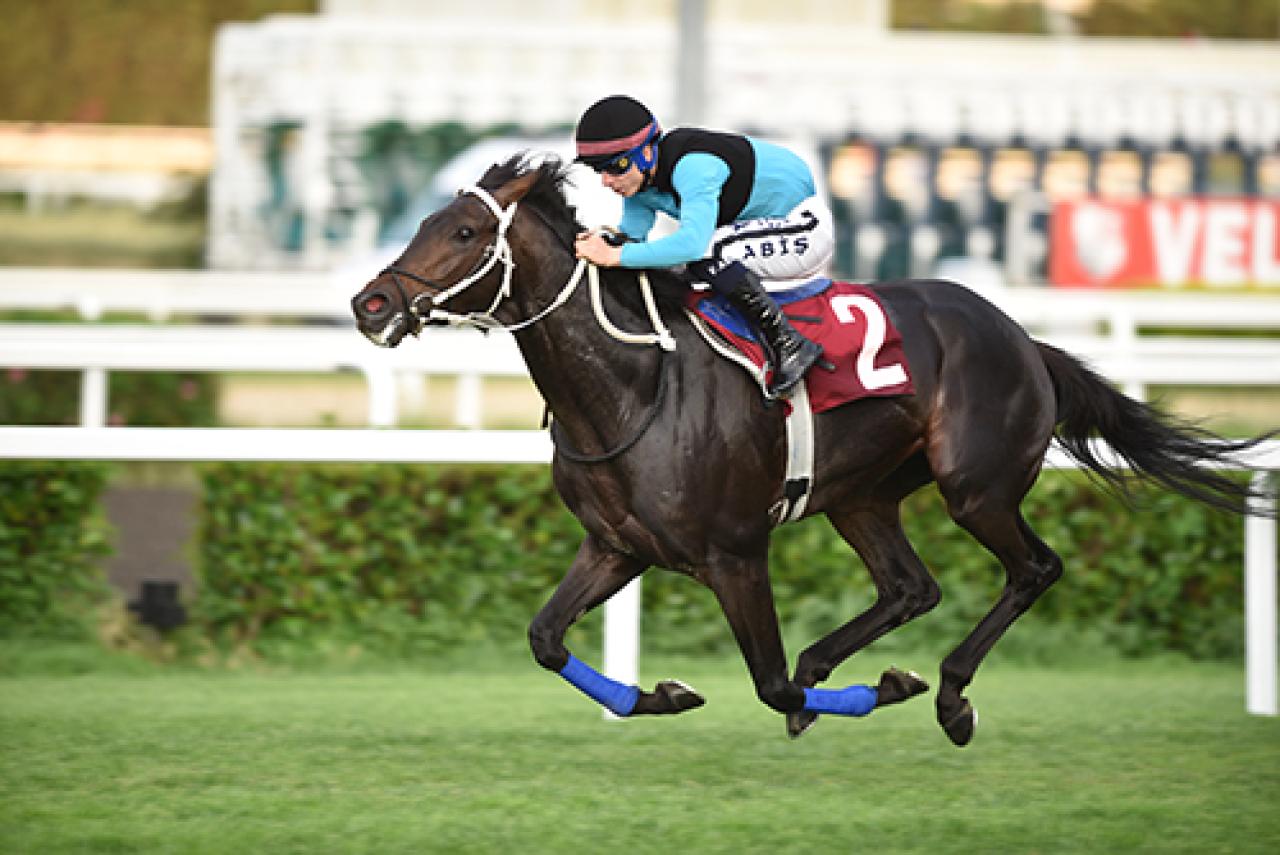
x: 1112, y: 330
x: 621, y: 645
x: 96, y: 349
x: 161, y: 294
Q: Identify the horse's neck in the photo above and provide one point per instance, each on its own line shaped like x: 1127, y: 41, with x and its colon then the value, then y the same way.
x: 595, y: 385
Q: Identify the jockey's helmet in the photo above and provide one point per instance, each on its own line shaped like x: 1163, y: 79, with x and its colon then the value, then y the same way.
x: 613, y: 126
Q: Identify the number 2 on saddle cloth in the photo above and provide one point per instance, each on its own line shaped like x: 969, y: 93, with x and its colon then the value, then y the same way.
x: 856, y: 335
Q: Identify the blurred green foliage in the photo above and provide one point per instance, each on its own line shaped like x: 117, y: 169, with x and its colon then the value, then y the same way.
x: 53, y: 535
x: 413, y: 559
x: 1243, y: 19
x: 137, y: 62
x: 135, y: 399
x: 397, y: 160
x: 405, y: 558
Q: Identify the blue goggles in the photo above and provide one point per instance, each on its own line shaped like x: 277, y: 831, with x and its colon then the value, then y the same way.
x: 620, y: 164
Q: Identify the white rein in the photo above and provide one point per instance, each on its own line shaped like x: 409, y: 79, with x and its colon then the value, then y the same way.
x: 501, y: 252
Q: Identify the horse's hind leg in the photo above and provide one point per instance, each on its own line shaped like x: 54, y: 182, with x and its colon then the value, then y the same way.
x: 1030, y: 568
x: 994, y: 418
x: 597, y: 573
x: 904, y: 588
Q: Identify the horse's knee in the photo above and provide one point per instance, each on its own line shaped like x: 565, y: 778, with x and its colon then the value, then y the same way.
x: 780, y: 695
x: 907, y: 600
x: 918, y: 597
x: 547, y: 646
x: 1036, y: 578
x: 1048, y: 572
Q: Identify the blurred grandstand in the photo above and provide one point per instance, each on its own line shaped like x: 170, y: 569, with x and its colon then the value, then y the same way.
x: 940, y: 149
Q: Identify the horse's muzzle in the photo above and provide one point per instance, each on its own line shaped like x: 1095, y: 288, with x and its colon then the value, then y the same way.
x: 378, y: 317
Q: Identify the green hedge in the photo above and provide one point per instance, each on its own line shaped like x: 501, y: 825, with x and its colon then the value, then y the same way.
x: 137, y: 399
x: 399, y: 558
x: 412, y: 558
x: 53, y: 536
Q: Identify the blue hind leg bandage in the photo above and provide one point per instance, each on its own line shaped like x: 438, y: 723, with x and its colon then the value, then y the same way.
x: 612, y: 695
x: 853, y: 700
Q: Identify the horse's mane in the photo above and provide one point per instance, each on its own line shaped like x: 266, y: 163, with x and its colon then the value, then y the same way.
x: 547, y: 196
x: 547, y: 193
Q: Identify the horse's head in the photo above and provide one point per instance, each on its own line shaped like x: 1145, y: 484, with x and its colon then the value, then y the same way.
x: 458, y: 267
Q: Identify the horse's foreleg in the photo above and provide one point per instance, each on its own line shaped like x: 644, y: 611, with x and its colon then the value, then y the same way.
x: 597, y: 573
x: 746, y: 597
x: 905, y: 590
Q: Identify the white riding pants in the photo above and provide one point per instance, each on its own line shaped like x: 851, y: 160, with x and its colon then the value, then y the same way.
x: 783, y: 251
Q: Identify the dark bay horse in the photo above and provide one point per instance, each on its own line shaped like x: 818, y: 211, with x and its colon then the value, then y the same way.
x: 673, y: 459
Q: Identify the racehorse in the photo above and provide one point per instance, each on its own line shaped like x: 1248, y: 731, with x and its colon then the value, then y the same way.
x: 672, y: 458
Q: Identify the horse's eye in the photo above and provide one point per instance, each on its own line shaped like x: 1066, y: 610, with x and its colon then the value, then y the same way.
x: 466, y: 233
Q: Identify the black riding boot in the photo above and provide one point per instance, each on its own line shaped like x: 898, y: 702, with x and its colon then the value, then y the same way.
x: 790, y: 353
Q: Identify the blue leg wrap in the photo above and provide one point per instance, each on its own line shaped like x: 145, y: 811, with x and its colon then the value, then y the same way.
x: 612, y: 695
x: 853, y: 700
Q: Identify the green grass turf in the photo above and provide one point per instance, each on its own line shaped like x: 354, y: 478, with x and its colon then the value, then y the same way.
x: 1143, y: 756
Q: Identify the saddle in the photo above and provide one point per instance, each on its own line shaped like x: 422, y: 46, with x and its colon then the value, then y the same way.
x: 847, y: 319
x: 860, y: 343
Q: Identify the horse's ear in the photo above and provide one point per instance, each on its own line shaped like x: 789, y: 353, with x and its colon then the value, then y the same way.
x: 515, y: 189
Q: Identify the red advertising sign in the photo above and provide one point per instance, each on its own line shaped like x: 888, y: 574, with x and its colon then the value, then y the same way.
x: 1169, y: 242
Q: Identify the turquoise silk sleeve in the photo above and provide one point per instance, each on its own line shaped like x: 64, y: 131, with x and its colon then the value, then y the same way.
x: 698, y: 179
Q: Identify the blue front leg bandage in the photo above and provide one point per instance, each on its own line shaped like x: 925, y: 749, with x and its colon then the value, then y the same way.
x: 853, y: 700
x: 612, y: 695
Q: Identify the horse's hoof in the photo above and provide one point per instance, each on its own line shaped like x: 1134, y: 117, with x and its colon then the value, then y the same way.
x: 897, y: 686
x: 959, y: 727
x: 799, y: 722
x: 678, y: 697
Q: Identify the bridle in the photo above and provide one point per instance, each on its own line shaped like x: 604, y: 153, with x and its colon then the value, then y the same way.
x: 500, y: 252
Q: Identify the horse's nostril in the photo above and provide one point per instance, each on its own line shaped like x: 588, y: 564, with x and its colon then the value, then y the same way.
x: 375, y: 304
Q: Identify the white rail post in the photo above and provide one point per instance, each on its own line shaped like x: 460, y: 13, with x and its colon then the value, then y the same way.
x: 468, y: 411
x: 622, y: 636
x: 1124, y: 334
x: 93, y: 397
x: 383, y: 403
x: 1260, y: 604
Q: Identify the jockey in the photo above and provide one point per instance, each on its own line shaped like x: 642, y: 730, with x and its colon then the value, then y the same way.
x: 747, y: 210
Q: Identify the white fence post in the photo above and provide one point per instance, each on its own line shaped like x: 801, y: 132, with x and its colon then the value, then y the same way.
x: 93, y: 397
x: 382, y: 397
x: 622, y: 636
x: 1260, y: 606
x: 468, y: 409
x: 1124, y: 335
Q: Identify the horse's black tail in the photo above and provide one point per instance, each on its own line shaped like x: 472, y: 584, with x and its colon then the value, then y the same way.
x: 1156, y: 447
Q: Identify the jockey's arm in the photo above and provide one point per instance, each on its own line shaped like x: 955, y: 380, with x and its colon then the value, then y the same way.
x: 606, y: 250
x: 637, y: 219
x: 698, y: 179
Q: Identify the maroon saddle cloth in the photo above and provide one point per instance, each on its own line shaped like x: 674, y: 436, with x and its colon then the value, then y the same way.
x: 847, y: 319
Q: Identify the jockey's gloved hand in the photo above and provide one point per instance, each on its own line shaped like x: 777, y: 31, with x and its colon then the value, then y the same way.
x: 614, y: 237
